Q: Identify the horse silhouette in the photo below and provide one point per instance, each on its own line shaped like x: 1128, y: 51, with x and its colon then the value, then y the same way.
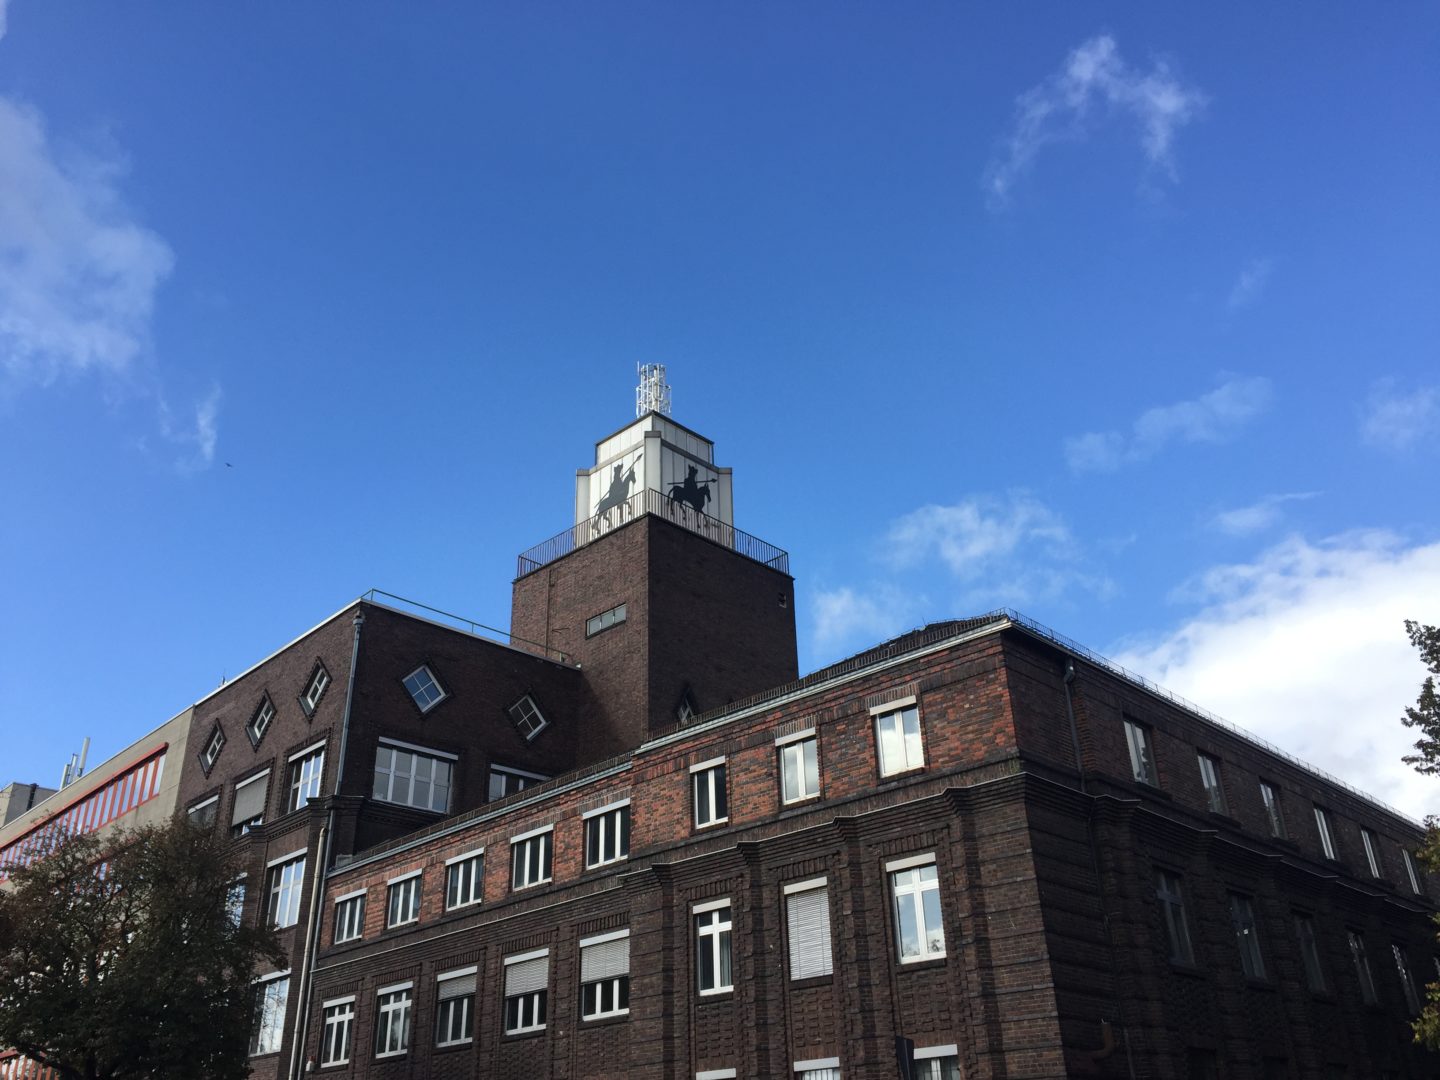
x: 694, y: 494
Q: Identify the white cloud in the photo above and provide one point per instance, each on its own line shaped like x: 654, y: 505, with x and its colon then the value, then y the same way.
x: 1093, y: 84
x: 1397, y: 420
x: 1254, y: 276
x: 1258, y: 516
x: 1306, y: 647
x: 196, y: 439
x: 848, y: 615
x: 1210, y: 418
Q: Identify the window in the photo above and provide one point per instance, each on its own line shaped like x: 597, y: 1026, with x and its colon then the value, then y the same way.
x: 1172, y: 910
x: 337, y: 1031
x: 1407, y: 984
x: 1362, y: 966
x: 402, y: 900
x: 1210, y: 780
x: 919, y: 932
x: 818, y: 1069
x: 1410, y: 871
x: 319, y: 680
x: 799, y: 766
x: 1142, y: 764
x: 392, y: 1020
x: 211, y: 753
x: 235, y: 901
x: 249, y: 810
x: 1270, y: 796
x: 807, y: 925
x: 203, y: 814
x: 1247, y: 936
x: 412, y: 776
x: 505, y: 781
x: 708, y: 779
x: 525, y: 715
x: 1310, y: 953
x: 607, y: 834
x: 455, y: 1007
x: 686, y: 707
x: 605, y: 620
x: 424, y: 690
x: 1372, y: 858
x: 287, y: 875
x: 306, y: 768
x: 937, y: 1062
x: 713, y: 973
x: 605, y: 975
x: 271, y: 996
x: 349, y: 917
x: 260, y: 722
x: 1322, y: 827
x: 530, y: 858
x: 897, y: 738
x: 464, y: 879
x: 526, y: 977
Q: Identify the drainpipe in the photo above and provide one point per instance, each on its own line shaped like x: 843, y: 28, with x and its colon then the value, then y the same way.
x: 317, y: 883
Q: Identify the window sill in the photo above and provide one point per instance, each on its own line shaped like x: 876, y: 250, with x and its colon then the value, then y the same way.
x: 527, y: 1033
x: 391, y: 1055
x: 922, y: 963
x: 710, y: 996
x: 786, y: 804
x: 712, y: 824
x: 811, y: 981
x: 530, y: 885
x: 451, y: 1047
x: 609, y: 1018
x: 901, y: 774
x: 607, y: 864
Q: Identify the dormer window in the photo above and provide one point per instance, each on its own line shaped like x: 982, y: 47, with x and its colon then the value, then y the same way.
x: 424, y: 690
x: 319, y: 680
x: 260, y: 722
x: 211, y: 753
x: 526, y: 716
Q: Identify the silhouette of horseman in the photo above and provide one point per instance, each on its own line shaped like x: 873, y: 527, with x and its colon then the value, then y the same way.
x: 619, y: 491
x: 694, y: 494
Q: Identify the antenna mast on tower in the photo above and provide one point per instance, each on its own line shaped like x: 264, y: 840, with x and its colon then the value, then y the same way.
x: 653, y: 393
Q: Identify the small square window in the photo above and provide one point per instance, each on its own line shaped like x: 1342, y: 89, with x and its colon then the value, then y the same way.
x: 525, y: 715
x: 315, y: 690
x: 799, y: 769
x: 708, y: 784
x: 402, y: 902
x: 260, y: 722
x: 1142, y: 762
x: 607, y: 836
x: 424, y: 690
x: 211, y: 753
x: 530, y: 859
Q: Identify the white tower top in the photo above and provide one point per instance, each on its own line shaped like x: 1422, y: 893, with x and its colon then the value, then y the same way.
x: 653, y: 393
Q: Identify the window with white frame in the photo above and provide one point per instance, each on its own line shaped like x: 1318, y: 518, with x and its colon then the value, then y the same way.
x: 412, y: 776
x: 272, y: 994
x: 464, y: 879
x: 937, y: 1062
x: 1407, y: 984
x: 605, y: 620
x: 287, y: 876
x: 1270, y: 798
x: 707, y: 781
x: 1142, y: 761
x: 527, y: 977
x: 306, y: 769
x: 1210, y: 781
x: 455, y: 1007
x: 799, y: 766
x: 526, y: 717
x: 818, y: 1069
x: 607, y: 834
x: 203, y: 814
x: 506, y: 781
x: 315, y: 689
x: 605, y: 975
x: 530, y: 855
x: 425, y: 691
x: 402, y: 900
x: 260, y: 722
x: 349, y: 916
x: 337, y: 1030
x: 248, y: 811
x: 1372, y: 855
x: 713, y: 961
x: 1172, y: 911
x: 211, y: 753
x: 807, y: 927
x: 897, y: 737
x: 915, y: 887
x: 1247, y: 936
x: 1322, y: 829
x: 1410, y: 871
x: 392, y: 1020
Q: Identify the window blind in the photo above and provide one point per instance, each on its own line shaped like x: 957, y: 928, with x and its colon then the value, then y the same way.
x: 808, y: 919
x: 527, y: 976
x: 459, y: 986
x: 605, y: 960
x: 250, y: 799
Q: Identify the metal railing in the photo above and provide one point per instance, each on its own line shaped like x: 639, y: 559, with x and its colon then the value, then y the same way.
x: 459, y: 622
x: 650, y: 501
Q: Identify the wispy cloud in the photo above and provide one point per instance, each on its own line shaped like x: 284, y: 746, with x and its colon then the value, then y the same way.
x: 1306, y: 646
x: 1396, y: 419
x: 1210, y: 418
x: 849, y: 614
x: 1258, y: 516
x: 194, y: 437
x: 1248, y: 287
x: 1093, y: 85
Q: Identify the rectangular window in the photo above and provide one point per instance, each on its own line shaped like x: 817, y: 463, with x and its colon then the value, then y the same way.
x: 271, y: 997
x: 337, y: 1031
x: 260, y: 722
x: 287, y: 876
x: 248, y: 811
x: 713, y: 969
x: 411, y: 776
x: 1362, y: 966
x: 392, y: 1020
x: 306, y: 769
x: 607, y: 835
x: 530, y: 858
x: 1310, y: 953
x: 425, y: 691
x: 349, y: 917
x: 203, y: 814
x: 1210, y: 780
x: 605, y: 975
x: 897, y: 738
x: 319, y: 680
x: 1247, y: 936
x: 605, y: 620
x: 1322, y: 828
x: 807, y: 925
x: 818, y: 1069
x: 708, y: 784
x: 1372, y: 856
x: 937, y: 1062
x: 455, y: 1007
x: 915, y: 887
x: 505, y: 781
x: 526, y: 717
x: 1410, y: 871
x: 799, y: 766
x: 526, y: 978
x: 1142, y: 762
x: 402, y: 900
x: 1270, y: 797
x: 1407, y: 984
x: 464, y: 879
x: 1172, y: 911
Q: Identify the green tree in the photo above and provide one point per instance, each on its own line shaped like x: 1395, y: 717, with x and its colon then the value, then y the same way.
x: 121, y: 958
x: 1424, y: 716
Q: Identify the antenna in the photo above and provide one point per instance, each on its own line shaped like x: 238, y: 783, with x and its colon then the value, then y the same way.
x: 653, y: 393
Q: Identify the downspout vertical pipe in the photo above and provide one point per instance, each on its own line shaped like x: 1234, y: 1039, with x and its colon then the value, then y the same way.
x: 317, y: 884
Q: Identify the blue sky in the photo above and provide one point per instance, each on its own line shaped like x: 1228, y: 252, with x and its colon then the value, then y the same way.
x: 1121, y: 315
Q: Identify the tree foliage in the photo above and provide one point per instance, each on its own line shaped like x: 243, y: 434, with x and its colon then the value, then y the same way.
x: 1424, y: 716
x: 120, y: 958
